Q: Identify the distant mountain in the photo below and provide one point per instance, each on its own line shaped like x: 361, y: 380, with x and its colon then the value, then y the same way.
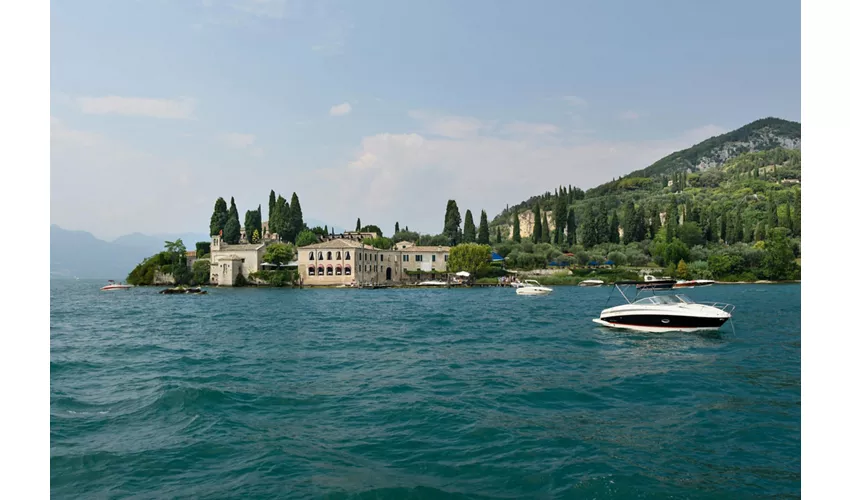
x: 154, y: 243
x: 80, y: 254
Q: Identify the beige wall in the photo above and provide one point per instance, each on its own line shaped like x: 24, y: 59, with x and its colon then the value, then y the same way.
x: 436, y: 259
x: 367, y: 265
x: 249, y: 260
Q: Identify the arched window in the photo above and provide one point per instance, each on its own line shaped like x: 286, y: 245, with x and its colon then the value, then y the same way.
x: 329, y: 256
x: 338, y: 270
x: 311, y: 271
x: 348, y: 270
x: 338, y: 255
x: 321, y: 257
x: 321, y: 271
x: 310, y: 257
x: 347, y: 256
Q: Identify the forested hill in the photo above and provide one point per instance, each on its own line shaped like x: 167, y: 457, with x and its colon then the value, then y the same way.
x: 727, y: 208
x: 779, y: 137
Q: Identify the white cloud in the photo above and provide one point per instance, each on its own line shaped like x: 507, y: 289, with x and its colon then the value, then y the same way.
x: 340, y: 109
x: 629, y: 115
x: 137, y: 106
x: 455, y: 127
x: 574, y: 100
x: 237, y: 140
x: 410, y: 176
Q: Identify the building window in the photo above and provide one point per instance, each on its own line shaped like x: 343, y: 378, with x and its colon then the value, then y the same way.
x: 329, y: 256
x: 382, y: 257
x: 433, y: 258
x: 311, y: 271
x: 339, y: 270
x: 446, y: 258
x: 418, y: 258
x: 348, y: 270
x: 321, y: 257
x: 405, y: 258
x: 347, y: 256
x: 321, y: 271
x: 310, y: 257
x: 338, y: 256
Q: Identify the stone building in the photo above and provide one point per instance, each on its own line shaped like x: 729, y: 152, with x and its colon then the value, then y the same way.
x: 229, y: 261
x: 343, y: 261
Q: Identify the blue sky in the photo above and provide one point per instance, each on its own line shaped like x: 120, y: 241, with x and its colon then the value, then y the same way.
x: 385, y: 109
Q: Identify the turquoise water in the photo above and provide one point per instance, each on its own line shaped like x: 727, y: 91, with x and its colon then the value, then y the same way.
x: 258, y: 393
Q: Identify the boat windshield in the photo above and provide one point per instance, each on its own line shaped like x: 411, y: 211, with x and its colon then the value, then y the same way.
x: 665, y: 300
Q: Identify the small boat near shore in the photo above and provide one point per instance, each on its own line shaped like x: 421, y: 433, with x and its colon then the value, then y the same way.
x: 692, y: 283
x: 650, y: 282
x: 533, y: 287
x: 591, y: 283
x: 183, y: 290
x: 112, y: 285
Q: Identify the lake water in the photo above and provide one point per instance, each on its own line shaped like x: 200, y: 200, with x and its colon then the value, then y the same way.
x: 407, y: 393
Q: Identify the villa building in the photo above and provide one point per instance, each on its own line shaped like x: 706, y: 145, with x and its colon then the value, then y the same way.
x: 342, y: 261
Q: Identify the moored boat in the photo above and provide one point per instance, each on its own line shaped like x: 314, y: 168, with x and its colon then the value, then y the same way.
x: 184, y: 290
x: 112, y: 285
x: 591, y: 283
x: 533, y: 287
x: 664, y: 313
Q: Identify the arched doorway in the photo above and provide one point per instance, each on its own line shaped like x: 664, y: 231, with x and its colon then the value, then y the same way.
x: 389, y: 273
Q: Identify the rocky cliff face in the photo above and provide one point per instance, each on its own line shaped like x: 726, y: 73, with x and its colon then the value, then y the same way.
x: 760, y: 140
x: 526, y: 225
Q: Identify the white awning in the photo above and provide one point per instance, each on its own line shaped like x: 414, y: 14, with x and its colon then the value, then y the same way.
x: 462, y: 273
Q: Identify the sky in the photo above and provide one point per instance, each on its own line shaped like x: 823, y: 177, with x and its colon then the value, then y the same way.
x: 384, y: 110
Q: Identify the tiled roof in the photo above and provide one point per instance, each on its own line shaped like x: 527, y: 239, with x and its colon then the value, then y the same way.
x: 424, y: 249
x: 337, y: 243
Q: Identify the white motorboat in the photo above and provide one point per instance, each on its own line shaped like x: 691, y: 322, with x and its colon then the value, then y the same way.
x: 533, y: 287
x: 111, y: 285
x: 432, y: 283
x: 591, y: 283
x: 664, y: 313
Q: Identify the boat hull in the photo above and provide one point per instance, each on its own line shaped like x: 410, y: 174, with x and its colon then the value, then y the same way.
x: 527, y: 290
x: 662, y: 322
x: 116, y: 287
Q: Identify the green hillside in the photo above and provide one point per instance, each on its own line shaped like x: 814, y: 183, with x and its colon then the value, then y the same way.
x: 734, y: 199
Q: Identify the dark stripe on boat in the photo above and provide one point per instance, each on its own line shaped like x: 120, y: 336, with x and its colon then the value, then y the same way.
x: 671, y: 321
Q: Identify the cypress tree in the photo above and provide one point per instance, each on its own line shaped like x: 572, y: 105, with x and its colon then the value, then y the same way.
x: 296, y: 216
x: 231, y: 231
x: 358, y: 225
x: 614, y: 230
x: 233, y: 212
x: 451, y: 225
x: 219, y: 217
x: 771, y: 214
x: 272, y: 199
x: 396, y: 227
x: 758, y: 234
x: 602, y: 226
x: 628, y: 221
x: 284, y: 218
x: 537, y: 229
x: 655, y: 225
x: 498, y: 234
x: 468, y: 228
x: 638, y: 225
x: 545, y: 235
x: 571, y: 228
x: 516, y: 232
x: 724, y: 228
x: 483, y: 229
x: 672, y: 220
